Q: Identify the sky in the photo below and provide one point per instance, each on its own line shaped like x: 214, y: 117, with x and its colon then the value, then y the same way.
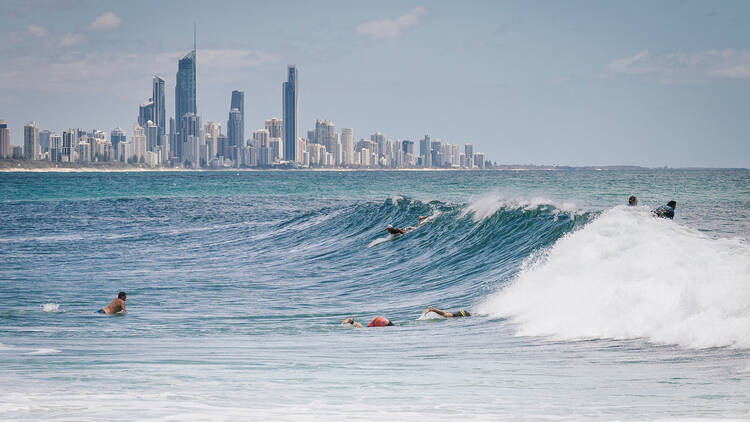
x: 645, y: 83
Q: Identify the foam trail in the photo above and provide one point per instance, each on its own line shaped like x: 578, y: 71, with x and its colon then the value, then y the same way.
x: 630, y: 275
x: 51, y: 307
x: 44, y: 352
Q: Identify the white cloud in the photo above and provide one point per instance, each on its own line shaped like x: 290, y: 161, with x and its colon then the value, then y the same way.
x: 686, y: 67
x: 122, y: 73
x: 391, y: 28
x: 69, y: 39
x: 106, y: 22
x: 38, y: 30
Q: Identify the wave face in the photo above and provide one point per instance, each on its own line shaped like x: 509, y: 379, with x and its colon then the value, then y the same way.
x: 629, y: 275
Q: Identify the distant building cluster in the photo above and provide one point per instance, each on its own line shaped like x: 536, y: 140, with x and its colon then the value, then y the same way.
x: 189, y: 144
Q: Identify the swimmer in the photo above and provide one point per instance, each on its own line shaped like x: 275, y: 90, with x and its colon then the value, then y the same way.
x: 117, y: 305
x: 458, y: 314
x: 632, y: 201
x: 407, y: 229
x: 666, y: 211
x: 376, y: 322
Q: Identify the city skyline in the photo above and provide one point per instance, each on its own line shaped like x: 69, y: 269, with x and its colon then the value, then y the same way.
x: 567, y: 84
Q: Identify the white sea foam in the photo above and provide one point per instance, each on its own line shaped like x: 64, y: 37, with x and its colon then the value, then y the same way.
x: 487, y: 205
x: 44, y: 352
x: 51, y: 307
x: 630, y: 275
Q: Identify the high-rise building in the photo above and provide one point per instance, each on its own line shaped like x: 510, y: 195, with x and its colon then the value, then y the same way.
x: 379, y: 138
x: 116, y: 136
x: 159, y: 114
x: 347, y: 146
x: 275, y: 128
x: 469, y: 153
x: 425, y: 151
x: 189, y: 136
x: 290, y: 97
x: 139, y: 143
x: 31, y: 141
x: 5, y: 151
x: 146, y: 112
x: 44, y: 139
x: 408, y: 146
x: 238, y: 102
x: 69, y: 141
x: 325, y: 134
x: 55, y: 148
x: 152, y: 135
x: 234, y: 129
x: 185, y: 89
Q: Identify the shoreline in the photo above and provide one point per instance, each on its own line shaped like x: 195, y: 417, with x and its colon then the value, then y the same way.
x: 20, y: 166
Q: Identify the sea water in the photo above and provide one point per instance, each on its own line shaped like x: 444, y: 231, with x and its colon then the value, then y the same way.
x: 583, y: 308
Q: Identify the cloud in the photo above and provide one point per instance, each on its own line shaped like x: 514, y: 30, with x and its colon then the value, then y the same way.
x: 121, y: 73
x: 380, y: 29
x: 686, y: 67
x: 69, y: 39
x: 106, y: 22
x: 38, y: 30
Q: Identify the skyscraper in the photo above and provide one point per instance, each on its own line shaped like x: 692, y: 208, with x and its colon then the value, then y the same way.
x: 238, y: 102
x: 290, y: 95
x: 5, y: 151
x: 275, y: 127
x: 234, y: 132
x: 469, y: 153
x: 159, y: 113
x: 44, y: 140
x: 425, y: 151
x: 347, y: 146
x: 55, y: 148
x: 69, y: 141
x: 116, y: 136
x: 31, y: 141
x: 146, y: 112
x: 184, y: 91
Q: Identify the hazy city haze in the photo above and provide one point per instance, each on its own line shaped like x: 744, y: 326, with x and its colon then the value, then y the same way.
x: 570, y: 83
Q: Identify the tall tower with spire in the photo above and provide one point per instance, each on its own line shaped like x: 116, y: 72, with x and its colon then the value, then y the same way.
x: 185, y: 89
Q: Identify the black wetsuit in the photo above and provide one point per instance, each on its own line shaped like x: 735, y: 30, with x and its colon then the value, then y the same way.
x: 664, y: 211
x: 460, y: 313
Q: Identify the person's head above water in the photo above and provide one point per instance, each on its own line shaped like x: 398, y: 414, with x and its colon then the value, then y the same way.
x: 122, y: 296
x: 380, y: 322
x: 632, y: 201
x: 672, y: 204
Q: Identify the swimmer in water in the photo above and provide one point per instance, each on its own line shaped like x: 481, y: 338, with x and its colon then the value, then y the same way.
x: 376, y: 322
x: 407, y: 229
x: 117, y: 305
x: 666, y: 211
x: 632, y: 201
x: 458, y: 314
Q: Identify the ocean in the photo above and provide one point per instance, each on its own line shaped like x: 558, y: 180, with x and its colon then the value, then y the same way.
x: 582, y: 308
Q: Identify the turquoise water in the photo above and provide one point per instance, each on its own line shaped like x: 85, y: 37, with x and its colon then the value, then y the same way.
x: 237, y: 284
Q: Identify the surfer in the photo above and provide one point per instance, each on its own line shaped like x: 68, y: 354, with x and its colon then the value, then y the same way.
x: 458, y: 314
x: 378, y: 321
x: 632, y: 201
x: 666, y: 211
x: 407, y: 229
x: 117, y: 305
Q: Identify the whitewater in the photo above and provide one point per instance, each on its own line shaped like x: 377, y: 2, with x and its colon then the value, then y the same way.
x: 582, y: 308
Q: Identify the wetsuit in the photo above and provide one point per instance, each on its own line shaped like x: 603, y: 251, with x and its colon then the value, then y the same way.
x: 460, y: 313
x: 664, y: 211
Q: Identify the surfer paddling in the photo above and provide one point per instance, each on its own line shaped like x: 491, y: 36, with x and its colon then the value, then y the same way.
x: 458, y: 314
x: 117, y: 305
x: 378, y: 321
x: 407, y: 229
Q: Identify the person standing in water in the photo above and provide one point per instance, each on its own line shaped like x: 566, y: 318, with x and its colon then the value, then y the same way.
x: 632, y: 201
x: 117, y: 305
